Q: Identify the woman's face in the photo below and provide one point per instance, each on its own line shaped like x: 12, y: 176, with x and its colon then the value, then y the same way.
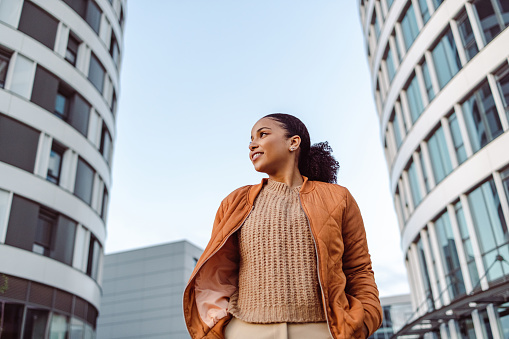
x: 269, y: 150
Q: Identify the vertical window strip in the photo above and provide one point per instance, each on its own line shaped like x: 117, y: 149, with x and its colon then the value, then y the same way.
x: 446, y: 59
x: 414, y: 185
x: 481, y: 118
x: 415, y: 103
x: 427, y: 81
x: 409, y: 27
x: 440, y: 161
x: 467, y: 37
x: 467, y: 244
x: 457, y: 140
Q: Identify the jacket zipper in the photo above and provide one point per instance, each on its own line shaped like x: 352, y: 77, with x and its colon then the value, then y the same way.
x: 221, y: 246
x: 317, y: 267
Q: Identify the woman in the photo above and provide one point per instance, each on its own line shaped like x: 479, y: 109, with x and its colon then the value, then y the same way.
x: 288, y: 258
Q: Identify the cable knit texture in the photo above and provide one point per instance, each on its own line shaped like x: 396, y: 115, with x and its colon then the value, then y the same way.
x: 278, y: 279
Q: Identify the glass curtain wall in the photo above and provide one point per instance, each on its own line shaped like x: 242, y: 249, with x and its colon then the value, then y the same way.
x: 440, y: 161
x: 481, y: 118
x: 449, y: 255
x: 491, y: 229
x: 446, y: 59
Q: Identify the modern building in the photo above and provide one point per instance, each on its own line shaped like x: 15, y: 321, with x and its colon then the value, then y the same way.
x: 397, y: 311
x: 440, y: 76
x: 142, y: 292
x: 59, y: 82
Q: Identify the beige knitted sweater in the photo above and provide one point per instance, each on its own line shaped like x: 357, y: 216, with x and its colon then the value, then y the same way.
x: 278, y: 279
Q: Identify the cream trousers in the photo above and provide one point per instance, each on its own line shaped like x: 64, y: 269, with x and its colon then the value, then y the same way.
x: 238, y: 329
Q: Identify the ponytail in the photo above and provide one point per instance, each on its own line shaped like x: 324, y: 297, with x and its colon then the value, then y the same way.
x: 315, y: 162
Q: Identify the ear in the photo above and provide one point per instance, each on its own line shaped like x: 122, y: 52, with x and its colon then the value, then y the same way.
x: 295, y: 141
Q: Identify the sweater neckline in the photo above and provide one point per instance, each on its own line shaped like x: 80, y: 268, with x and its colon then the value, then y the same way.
x: 281, y: 188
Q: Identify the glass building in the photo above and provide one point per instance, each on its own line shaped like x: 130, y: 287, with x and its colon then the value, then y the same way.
x: 397, y: 310
x: 59, y: 82
x: 440, y: 78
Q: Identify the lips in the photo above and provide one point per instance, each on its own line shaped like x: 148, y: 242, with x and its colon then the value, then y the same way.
x: 255, y: 155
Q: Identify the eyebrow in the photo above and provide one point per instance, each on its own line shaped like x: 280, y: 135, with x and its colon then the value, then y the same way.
x: 259, y: 129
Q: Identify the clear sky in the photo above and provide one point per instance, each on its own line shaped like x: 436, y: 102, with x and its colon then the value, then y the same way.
x: 196, y: 75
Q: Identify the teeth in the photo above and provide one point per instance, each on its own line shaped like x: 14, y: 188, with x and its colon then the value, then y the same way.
x: 256, y: 155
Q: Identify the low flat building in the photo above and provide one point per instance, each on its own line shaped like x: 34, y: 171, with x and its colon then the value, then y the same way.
x: 142, y: 292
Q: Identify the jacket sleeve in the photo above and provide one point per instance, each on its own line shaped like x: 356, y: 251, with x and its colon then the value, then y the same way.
x: 360, y: 280
x: 217, y: 280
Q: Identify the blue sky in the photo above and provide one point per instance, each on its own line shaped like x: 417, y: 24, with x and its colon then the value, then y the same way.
x: 196, y: 75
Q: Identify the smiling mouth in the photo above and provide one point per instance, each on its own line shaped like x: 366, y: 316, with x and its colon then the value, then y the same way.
x: 256, y: 156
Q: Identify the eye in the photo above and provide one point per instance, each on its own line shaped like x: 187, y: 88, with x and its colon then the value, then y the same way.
x: 262, y: 134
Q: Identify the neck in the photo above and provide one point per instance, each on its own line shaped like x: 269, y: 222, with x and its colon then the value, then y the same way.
x: 292, y: 178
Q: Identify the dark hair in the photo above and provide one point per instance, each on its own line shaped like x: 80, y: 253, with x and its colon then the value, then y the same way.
x: 315, y: 162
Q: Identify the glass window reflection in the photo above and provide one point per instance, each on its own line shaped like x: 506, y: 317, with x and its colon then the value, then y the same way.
x: 414, y: 99
x: 467, y: 37
x: 409, y: 27
x: 491, y: 228
x: 459, y: 147
x: 446, y: 59
x: 449, y: 255
x: 481, y: 118
x: 467, y: 244
x: 414, y: 184
x: 440, y: 160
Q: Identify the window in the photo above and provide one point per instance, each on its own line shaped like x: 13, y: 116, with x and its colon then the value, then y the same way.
x: 503, y: 318
x: 491, y: 228
x: 466, y: 327
x: 104, y: 207
x: 71, y: 52
x: 467, y: 244
x: 423, y: 6
x: 396, y: 128
x: 414, y: 99
x: 437, y: 3
x: 44, y: 234
x: 427, y: 81
x: 449, y: 254
x: 55, y: 163
x: 14, y: 152
x: 505, y: 181
x: 375, y: 23
x: 446, y: 59
x: 62, y: 102
x: 94, y: 253
x: 440, y: 161
x: 106, y: 144
x: 113, y: 107
x: 409, y: 27
x: 503, y: 87
x: 59, y: 326
x: 424, y: 172
x: 467, y: 37
x: 389, y: 61
x: 428, y: 292
x: 84, y: 181
x: 493, y: 16
x: 35, y: 323
x: 481, y: 118
x: 57, y: 97
x: 93, y: 15
x: 38, y: 24
x: 4, y: 65
x: 457, y: 140
x: 414, y: 184
x: 38, y: 229
x: 114, y: 49
x: 389, y: 3
x: 96, y: 73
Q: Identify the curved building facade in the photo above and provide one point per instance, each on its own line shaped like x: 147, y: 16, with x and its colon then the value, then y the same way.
x: 59, y: 82
x: 440, y: 76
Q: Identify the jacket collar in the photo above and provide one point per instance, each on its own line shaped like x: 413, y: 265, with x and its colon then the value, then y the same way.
x: 255, y: 189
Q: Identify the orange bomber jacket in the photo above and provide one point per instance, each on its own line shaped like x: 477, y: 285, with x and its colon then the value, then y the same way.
x: 349, y: 292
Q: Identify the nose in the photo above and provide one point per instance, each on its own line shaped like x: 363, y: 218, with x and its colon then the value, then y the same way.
x: 252, y: 146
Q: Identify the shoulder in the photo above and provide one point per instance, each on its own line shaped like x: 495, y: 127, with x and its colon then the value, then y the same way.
x: 336, y: 190
x: 239, y: 193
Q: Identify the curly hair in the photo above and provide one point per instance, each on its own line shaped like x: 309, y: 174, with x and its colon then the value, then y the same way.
x: 315, y: 161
